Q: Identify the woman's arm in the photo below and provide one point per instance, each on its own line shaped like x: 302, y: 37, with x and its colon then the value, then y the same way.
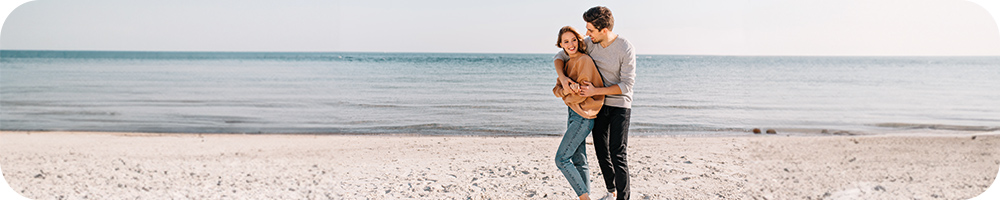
x: 563, y: 80
x: 586, y: 72
x: 559, y: 91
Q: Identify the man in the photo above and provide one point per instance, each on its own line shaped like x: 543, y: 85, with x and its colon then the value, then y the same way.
x: 615, y: 59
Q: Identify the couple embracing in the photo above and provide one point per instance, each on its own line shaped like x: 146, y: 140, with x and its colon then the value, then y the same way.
x: 599, y: 100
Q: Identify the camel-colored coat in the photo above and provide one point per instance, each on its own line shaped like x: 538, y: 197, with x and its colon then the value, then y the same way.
x: 581, y: 69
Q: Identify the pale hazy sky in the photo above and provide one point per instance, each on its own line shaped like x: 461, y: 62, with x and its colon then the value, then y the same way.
x: 712, y: 27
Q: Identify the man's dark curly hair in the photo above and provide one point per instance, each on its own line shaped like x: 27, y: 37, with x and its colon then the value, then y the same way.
x: 600, y: 17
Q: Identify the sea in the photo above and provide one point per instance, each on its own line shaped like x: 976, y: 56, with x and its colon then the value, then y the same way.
x: 487, y: 94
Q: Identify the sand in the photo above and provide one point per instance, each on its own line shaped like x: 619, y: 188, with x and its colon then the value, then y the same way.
x: 78, y: 165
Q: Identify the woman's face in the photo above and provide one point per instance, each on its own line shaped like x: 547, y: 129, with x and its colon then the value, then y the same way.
x: 568, y: 42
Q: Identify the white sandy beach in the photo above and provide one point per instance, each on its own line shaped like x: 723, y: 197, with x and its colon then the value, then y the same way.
x: 81, y: 165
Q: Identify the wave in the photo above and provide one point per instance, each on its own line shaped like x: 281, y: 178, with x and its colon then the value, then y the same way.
x: 283, y: 56
x: 444, y: 129
x: 641, y: 127
x: 938, y: 127
x: 709, y: 107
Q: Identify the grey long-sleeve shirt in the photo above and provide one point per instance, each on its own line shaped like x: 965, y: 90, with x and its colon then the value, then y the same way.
x: 617, y: 66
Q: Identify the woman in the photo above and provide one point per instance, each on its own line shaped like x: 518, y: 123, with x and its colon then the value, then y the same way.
x: 571, y: 157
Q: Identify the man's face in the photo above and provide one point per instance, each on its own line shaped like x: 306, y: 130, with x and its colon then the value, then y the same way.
x: 596, y: 36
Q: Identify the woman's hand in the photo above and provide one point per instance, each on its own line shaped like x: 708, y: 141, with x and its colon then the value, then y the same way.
x: 567, y: 83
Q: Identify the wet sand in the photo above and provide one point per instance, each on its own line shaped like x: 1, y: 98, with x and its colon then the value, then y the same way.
x: 85, y: 165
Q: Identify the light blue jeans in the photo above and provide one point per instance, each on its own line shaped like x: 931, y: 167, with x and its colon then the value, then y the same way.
x: 571, y: 157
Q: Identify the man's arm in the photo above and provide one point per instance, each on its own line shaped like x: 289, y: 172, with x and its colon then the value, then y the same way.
x: 627, y: 76
x: 559, y: 69
x: 587, y: 89
x: 627, y: 73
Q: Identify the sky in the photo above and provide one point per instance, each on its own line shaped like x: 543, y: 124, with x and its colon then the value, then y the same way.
x: 678, y: 27
x: 685, y: 27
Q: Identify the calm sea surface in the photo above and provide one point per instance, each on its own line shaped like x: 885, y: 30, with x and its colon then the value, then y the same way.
x: 486, y: 94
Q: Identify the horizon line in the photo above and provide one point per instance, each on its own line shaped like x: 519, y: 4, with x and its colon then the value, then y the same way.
x: 404, y: 52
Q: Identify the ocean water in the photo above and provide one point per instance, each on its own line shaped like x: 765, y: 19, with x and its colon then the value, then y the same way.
x: 486, y: 94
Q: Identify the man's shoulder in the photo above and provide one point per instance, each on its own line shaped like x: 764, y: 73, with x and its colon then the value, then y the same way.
x: 625, y: 42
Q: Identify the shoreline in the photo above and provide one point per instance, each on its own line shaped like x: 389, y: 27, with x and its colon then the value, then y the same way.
x: 746, y: 133
x: 184, y: 165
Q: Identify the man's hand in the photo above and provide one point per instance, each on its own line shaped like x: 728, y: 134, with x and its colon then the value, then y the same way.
x: 587, y: 89
x: 567, y: 83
